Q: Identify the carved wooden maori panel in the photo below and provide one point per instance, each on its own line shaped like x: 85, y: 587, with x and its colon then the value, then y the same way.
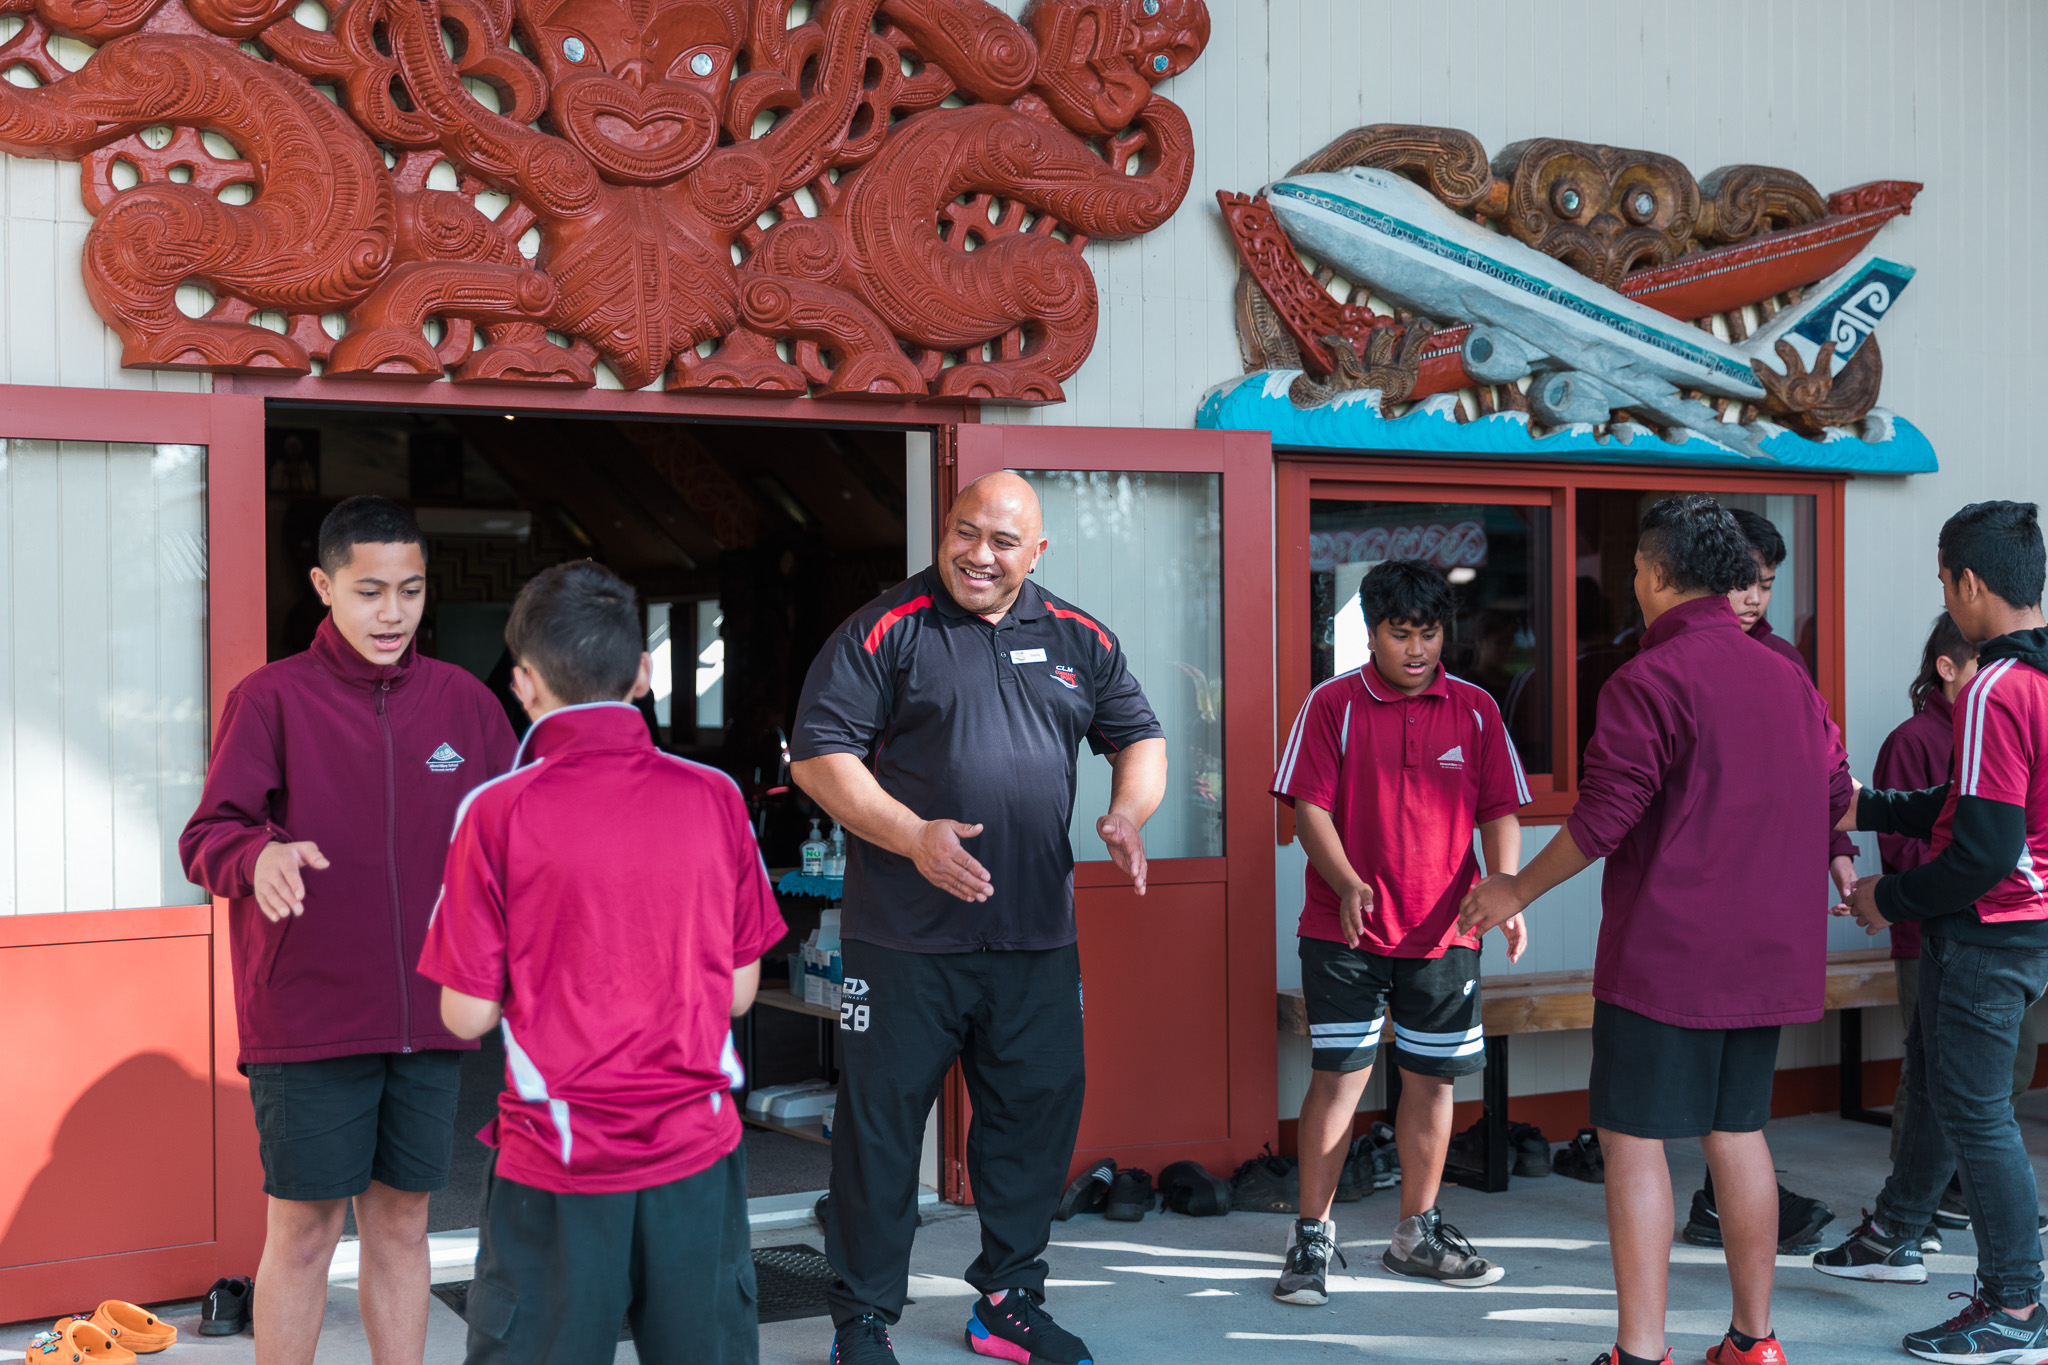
x: 880, y: 198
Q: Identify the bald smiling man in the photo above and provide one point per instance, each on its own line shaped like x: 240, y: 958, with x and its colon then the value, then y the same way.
x: 941, y: 726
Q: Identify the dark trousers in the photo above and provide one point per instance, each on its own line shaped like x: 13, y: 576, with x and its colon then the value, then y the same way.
x: 557, y: 1273
x: 1958, y: 1078
x: 1013, y: 1019
x: 2028, y: 1057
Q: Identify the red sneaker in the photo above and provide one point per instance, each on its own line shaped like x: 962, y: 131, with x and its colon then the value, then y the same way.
x: 1767, y: 1351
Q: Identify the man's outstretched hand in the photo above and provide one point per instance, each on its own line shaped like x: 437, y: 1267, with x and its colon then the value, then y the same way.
x: 1126, y: 843
x: 1490, y: 905
x: 1861, y: 901
x: 280, y: 890
x: 946, y: 865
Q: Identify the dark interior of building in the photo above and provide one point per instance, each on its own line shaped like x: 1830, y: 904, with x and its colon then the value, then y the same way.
x: 747, y: 544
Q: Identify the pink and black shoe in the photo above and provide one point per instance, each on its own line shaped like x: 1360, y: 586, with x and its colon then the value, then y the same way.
x: 1012, y: 1324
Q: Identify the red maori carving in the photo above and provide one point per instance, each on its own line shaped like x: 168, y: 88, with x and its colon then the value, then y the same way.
x: 865, y: 197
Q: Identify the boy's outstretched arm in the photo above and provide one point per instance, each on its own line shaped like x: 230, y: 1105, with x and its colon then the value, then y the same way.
x: 1326, y: 851
x: 1506, y: 895
x: 467, y: 1017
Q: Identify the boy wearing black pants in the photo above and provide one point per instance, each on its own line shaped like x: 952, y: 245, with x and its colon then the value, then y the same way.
x: 1982, y: 907
x: 606, y: 908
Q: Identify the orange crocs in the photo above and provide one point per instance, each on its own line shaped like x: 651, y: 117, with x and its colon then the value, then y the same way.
x: 76, y: 1342
x: 134, y: 1327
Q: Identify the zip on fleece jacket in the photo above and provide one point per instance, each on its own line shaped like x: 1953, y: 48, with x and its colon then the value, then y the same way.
x: 370, y: 762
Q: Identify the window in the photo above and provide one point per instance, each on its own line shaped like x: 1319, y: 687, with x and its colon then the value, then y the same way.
x: 1543, y: 562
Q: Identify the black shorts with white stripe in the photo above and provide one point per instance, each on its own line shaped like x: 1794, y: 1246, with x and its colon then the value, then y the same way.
x: 1434, y: 1002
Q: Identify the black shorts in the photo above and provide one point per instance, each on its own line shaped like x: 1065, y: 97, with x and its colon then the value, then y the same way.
x: 1657, y: 1080
x: 1434, y: 1001
x: 327, y: 1128
x: 556, y: 1272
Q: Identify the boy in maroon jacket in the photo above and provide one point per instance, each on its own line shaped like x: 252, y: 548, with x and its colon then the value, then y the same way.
x: 606, y: 906
x: 335, y: 777
x: 1707, y: 741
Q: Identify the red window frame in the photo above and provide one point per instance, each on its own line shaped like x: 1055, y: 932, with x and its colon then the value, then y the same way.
x: 1301, y: 478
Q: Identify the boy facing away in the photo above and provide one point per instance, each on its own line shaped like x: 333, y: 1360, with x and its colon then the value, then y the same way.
x: 1389, y: 769
x: 1706, y: 742
x: 606, y: 907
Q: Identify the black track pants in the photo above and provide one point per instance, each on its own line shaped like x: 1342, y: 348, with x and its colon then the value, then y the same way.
x: 1014, y: 1021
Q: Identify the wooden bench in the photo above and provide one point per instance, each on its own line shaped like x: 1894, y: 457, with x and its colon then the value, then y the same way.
x: 1550, y: 1002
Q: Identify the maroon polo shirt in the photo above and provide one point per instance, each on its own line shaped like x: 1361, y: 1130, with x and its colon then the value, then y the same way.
x: 1998, y: 756
x: 1840, y: 845
x: 1914, y: 757
x: 605, y: 892
x: 1710, y: 785
x: 1406, y: 780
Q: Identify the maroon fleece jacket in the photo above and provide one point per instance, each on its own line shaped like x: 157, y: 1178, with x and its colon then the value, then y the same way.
x: 370, y: 762
x: 1840, y: 845
x: 1710, y: 786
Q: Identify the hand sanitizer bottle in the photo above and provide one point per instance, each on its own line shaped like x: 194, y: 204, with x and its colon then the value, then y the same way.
x: 814, y: 851
x: 835, y: 855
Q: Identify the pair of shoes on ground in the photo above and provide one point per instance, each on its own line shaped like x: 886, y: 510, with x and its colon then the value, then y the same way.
x: 1424, y: 1247
x: 1982, y: 1333
x: 1127, y: 1195
x: 1875, y: 1253
x: 1010, y: 1324
x: 1800, y: 1220
x: 1763, y: 1350
x: 112, y: 1334
x: 1581, y: 1159
x: 1528, y: 1150
x: 1272, y: 1184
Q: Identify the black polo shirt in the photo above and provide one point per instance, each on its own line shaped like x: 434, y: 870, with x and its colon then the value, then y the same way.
x: 963, y: 720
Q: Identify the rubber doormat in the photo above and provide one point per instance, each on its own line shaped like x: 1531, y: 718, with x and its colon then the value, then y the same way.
x: 792, y: 1282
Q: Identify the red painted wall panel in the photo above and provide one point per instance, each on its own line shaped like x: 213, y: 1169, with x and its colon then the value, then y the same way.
x: 108, y: 1146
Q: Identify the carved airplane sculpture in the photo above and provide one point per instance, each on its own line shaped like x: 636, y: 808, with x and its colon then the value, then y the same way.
x: 1590, y: 349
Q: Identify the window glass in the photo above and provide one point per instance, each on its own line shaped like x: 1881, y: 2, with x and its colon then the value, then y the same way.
x: 1610, y: 623
x: 661, y: 664
x: 1496, y: 556
x: 1142, y: 552
x: 710, y: 666
x: 102, y: 672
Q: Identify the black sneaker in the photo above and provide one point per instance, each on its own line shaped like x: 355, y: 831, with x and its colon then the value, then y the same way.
x: 864, y: 1341
x: 1800, y: 1220
x: 1440, y: 1254
x: 1531, y: 1150
x: 1131, y: 1196
x: 1012, y: 1324
x: 1267, y: 1184
x: 1088, y: 1193
x: 226, y: 1310
x: 1305, y: 1277
x: 1187, y: 1187
x: 1873, y: 1254
x: 1386, y: 1156
x: 1581, y: 1160
x: 1983, y: 1334
x: 1930, y: 1241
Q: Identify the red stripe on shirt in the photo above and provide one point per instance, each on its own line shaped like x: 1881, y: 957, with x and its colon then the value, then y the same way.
x: 1100, y: 633
x: 891, y: 617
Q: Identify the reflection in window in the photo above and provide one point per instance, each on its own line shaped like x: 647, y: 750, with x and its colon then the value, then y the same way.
x: 1495, y: 556
x: 710, y: 666
x: 1142, y: 552
x: 661, y: 677
x: 1610, y: 625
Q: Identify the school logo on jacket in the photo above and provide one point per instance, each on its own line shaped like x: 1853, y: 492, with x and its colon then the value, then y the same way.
x: 444, y: 760
x: 1453, y: 757
x: 1064, y: 676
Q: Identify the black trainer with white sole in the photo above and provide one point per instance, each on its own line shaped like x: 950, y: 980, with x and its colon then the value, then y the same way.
x: 1438, y: 1252
x: 1983, y: 1334
x: 1305, y: 1279
x: 1871, y: 1253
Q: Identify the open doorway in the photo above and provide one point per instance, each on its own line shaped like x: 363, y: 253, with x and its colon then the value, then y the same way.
x: 747, y: 544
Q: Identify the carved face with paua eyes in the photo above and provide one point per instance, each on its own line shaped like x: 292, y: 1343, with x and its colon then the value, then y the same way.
x: 1604, y: 211
x: 1099, y: 59
x: 636, y: 85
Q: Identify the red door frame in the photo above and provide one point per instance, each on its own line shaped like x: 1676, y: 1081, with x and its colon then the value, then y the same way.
x: 1245, y: 463
x: 231, y: 428
x: 1302, y: 477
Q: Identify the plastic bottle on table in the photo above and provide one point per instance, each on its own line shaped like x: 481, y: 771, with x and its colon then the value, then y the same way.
x: 835, y: 852
x: 813, y: 851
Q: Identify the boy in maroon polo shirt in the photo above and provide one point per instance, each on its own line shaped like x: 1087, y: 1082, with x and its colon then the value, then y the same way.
x: 334, y: 778
x: 1706, y: 742
x: 606, y: 907
x: 1389, y: 768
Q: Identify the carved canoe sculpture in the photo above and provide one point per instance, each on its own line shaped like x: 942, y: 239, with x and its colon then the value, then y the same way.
x: 880, y: 198
x: 1732, y: 249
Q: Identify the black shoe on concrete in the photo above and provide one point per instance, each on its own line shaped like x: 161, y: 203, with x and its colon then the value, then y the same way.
x: 1983, y: 1334
x: 1581, y: 1160
x: 1088, y: 1193
x: 1874, y: 1254
x: 226, y: 1309
x: 1131, y: 1196
x: 1267, y: 1184
x: 864, y: 1341
x: 1013, y: 1325
x: 1439, y: 1253
x: 1305, y: 1279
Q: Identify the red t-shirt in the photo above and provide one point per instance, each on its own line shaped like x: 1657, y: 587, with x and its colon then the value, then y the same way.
x: 605, y: 892
x: 1406, y: 780
x: 2000, y: 720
